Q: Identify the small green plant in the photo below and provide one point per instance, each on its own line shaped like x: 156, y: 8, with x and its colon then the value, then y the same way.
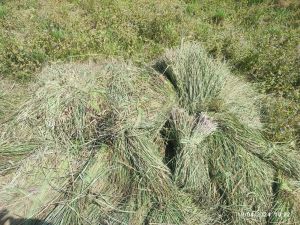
x: 3, y: 11
x: 219, y: 17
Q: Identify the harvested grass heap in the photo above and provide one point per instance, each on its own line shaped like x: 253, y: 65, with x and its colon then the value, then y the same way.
x: 114, y: 144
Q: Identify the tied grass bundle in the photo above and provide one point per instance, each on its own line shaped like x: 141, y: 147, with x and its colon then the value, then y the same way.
x: 89, y: 197
x: 67, y: 102
x: 184, y: 134
x: 234, y: 171
x: 204, y: 85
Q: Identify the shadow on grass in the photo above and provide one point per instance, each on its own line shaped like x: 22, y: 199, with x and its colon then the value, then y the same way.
x: 6, y: 219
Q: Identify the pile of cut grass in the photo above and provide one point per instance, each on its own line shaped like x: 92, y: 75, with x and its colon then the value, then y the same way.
x: 110, y: 143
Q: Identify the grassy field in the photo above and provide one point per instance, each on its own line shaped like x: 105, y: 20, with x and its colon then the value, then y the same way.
x: 259, y: 40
